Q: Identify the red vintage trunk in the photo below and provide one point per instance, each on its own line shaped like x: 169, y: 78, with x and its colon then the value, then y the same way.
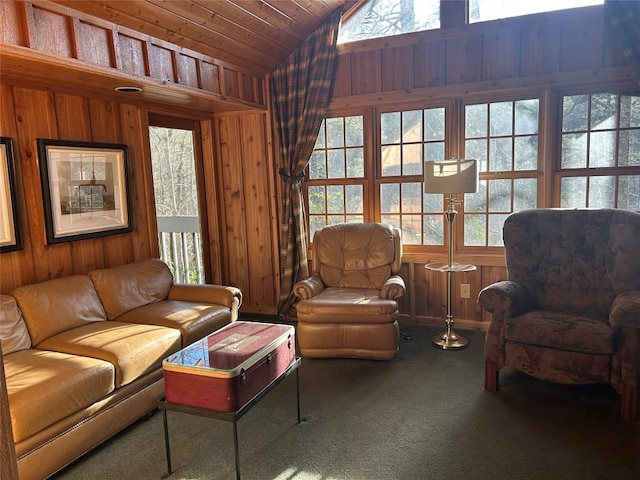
x: 229, y: 367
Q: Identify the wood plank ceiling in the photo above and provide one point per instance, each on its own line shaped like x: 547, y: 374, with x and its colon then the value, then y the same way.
x: 254, y: 35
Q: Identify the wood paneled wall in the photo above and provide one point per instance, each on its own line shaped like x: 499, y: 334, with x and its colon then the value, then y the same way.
x: 568, y: 47
x: 28, y: 114
x: 249, y: 215
x: 571, y: 47
x: 242, y: 218
x: 54, y: 29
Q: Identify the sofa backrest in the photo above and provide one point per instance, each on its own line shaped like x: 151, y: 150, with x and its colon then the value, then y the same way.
x: 58, y: 305
x: 133, y: 285
x: 14, y: 335
x: 574, y: 260
x: 357, y: 255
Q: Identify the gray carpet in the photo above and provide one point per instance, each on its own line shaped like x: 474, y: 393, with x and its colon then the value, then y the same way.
x: 422, y: 416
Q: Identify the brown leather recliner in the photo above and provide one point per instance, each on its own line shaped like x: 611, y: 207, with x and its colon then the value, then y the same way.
x: 348, y: 306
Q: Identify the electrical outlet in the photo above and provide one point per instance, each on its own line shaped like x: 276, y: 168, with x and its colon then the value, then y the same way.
x: 465, y: 290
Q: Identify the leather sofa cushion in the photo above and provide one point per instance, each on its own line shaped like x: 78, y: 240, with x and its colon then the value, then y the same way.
x: 14, y: 335
x: 561, y: 331
x: 57, y: 305
x: 132, y: 285
x: 193, y: 320
x: 45, y: 387
x: 132, y: 349
x: 350, y: 305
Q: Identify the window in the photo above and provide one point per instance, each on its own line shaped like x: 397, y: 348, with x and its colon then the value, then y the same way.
x: 600, y: 146
x: 483, y: 10
x: 382, y: 18
x: 542, y: 148
x: 503, y: 137
x: 407, y: 139
x: 335, y: 186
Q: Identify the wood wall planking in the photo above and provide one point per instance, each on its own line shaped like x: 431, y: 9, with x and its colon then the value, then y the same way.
x: 29, y: 114
x: 240, y: 174
x: 67, y: 34
x: 412, y: 67
x: 249, y: 233
x: 237, y: 177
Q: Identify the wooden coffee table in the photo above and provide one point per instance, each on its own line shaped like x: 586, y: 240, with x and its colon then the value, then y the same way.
x: 217, y: 414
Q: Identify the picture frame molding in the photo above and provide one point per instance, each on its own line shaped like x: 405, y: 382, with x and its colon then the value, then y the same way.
x: 70, y: 199
x: 8, y: 190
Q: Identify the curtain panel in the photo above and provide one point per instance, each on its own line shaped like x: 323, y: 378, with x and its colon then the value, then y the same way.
x: 624, y: 16
x: 300, y: 89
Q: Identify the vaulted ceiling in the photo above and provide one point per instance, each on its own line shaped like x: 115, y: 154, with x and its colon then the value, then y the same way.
x: 255, y: 35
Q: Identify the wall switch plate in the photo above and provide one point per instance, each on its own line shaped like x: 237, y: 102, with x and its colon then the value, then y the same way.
x: 465, y: 290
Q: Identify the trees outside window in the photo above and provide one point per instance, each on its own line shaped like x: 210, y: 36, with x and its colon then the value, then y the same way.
x: 600, y: 148
x: 596, y: 163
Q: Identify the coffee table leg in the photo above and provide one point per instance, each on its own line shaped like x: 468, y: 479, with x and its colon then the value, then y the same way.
x: 235, y: 447
x: 298, y: 393
x: 166, y: 441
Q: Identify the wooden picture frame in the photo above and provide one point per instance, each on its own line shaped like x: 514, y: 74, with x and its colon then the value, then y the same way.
x: 10, y: 234
x: 84, y: 188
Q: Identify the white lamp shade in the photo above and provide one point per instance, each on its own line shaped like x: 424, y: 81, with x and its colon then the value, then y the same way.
x: 451, y: 176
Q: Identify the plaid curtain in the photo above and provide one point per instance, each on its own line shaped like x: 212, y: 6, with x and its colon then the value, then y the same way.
x: 624, y: 15
x: 300, y: 89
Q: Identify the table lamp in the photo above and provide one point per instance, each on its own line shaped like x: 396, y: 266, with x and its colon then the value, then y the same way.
x: 450, y: 177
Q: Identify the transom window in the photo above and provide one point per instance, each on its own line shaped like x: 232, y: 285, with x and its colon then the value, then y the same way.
x: 383, y: 18
x: 483, y: 10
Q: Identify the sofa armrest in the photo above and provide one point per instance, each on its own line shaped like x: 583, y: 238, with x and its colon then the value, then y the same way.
x: 625, y: 310
x: 216, y: 294
x: 393, y: 288
x: 308, y: 288
x: 506, y: 297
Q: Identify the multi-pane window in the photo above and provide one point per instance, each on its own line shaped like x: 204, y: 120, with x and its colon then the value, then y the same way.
x: 335, y: 191
x: 594, y: 140
x: 383, y: 18
x: 483, y: 10
x: 503, y: 137
x: 407, y: 139
x: 600, y: 148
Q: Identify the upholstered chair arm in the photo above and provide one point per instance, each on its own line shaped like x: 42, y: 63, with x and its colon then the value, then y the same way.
x: 308, y: 288
x: 503, y: 300
x: 207, y: 293
x: 625, y: 311
x: 393, y: 288
x: 506, y: 298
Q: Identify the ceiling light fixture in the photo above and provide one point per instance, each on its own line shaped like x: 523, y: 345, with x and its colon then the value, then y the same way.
x: 128, y: 89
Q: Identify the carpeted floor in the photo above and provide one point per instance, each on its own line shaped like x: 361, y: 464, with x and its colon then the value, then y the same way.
x: 422, y: 416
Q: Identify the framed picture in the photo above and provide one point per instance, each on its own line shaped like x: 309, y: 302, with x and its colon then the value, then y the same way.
x: 84, y: 187
x: 10, y: 238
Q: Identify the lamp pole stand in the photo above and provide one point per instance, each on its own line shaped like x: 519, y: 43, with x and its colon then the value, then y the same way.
x: 450, y: 339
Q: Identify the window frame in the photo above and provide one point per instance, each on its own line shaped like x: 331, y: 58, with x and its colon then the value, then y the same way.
x: 557, y: 171
x: 548, y: 173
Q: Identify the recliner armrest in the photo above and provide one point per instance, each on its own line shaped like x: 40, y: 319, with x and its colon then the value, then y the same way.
x: 393, y: 288
x: 506, y: 297
x: 625, y: 310
x: 308, y: 288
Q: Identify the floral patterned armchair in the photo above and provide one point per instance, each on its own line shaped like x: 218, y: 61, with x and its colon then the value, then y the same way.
x: 570, y: 309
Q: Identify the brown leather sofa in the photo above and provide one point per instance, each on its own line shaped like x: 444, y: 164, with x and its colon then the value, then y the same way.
x: 348, y: 307
x: 83, y: 354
